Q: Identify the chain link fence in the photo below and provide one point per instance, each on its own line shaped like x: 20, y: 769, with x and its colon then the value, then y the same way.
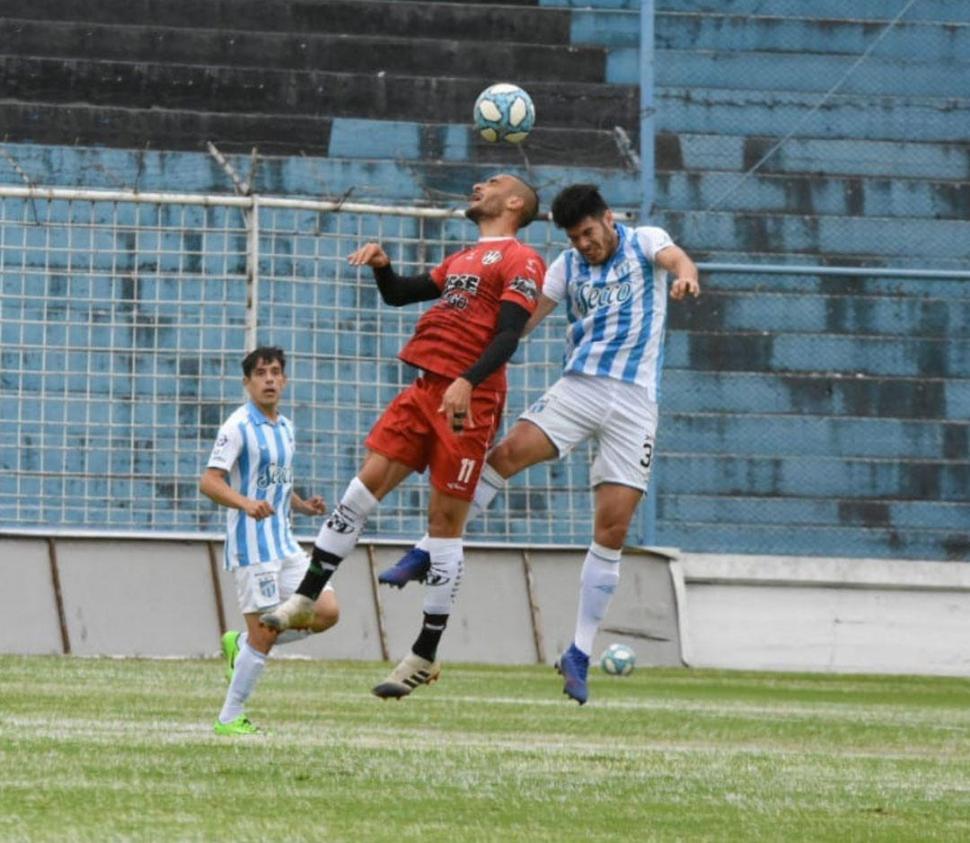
x: 804, y: 410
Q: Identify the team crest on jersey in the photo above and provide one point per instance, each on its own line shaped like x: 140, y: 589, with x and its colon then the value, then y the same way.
x: 624, y: 267
x: 491, y: 256
x: 525, y: 286
x: 220, y: 446
x: 267, y: 587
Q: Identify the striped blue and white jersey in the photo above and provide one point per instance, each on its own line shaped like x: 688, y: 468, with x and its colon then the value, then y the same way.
x: 258, y: 457
x: 616, y: 310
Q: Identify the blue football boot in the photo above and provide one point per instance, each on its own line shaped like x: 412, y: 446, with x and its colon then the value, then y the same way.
x: 573, y: 665
x: 414, y: 565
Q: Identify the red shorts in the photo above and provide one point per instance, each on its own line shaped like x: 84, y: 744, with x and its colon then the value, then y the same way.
x: 413, y: 432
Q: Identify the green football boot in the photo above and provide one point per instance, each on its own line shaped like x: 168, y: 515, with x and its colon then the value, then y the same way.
x: 239, y: 726
x: 230, y: 650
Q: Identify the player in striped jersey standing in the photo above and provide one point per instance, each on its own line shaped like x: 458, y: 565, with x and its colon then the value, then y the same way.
x: 614, y: 283
x: 250, y: 472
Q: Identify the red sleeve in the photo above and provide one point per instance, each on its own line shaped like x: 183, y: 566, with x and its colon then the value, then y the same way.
x: 523, y: 273
x: 440, y: 273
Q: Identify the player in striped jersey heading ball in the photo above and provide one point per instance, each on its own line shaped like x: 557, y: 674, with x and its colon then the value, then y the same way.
x: 614, y: 283
x: 446, y: 419
x: 250, y: 472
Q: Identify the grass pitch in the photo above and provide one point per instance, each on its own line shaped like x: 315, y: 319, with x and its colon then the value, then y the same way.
x: 101, y: 749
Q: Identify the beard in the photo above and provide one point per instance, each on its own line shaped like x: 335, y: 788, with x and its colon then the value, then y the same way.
x: 475, y: 214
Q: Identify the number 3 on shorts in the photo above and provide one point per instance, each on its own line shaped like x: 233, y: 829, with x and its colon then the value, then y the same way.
x: 647, y: 457
x: 466, y: 469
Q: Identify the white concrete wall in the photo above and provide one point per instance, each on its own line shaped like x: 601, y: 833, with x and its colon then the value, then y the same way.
x: 141, y: 597
x: 154, y: 598
x: 844, y: 615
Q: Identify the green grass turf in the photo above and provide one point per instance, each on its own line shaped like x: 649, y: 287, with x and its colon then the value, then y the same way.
x: 101, y: 749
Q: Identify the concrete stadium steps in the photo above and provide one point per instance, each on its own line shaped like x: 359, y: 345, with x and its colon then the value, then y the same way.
x: 763, y: 113
x: 296, y: 134
x: 326, y: 94
x: 341, y: 53
x: 425, y: 144
x: 822, y: 394
x: 385, y: 180
x: 581, y: 4
x: 811, y: 238
x: 809, y: 34
x: 746, y: 236
x: 902, y: 515
x: 762, y: 436
x: 814, y: 195
x: 916, y: 261
x: 815, y: 477
x: 161, y: 128
x: 738, y: 312
x: 939, y: 11
x: 401, y: 18
x: 794, y: 72
x: 820, y: 157
x: 845, y: 356
x: 874, y: 543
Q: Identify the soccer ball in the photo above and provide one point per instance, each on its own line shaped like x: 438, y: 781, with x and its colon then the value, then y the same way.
x: 504, y: 112
x: 618, y: 660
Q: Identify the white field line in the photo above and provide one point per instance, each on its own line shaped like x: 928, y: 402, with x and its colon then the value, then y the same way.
x: 153, y: 733
x: 953, y: 719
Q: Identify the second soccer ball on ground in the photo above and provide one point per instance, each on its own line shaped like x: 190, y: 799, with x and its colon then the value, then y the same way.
x: 618, y: 660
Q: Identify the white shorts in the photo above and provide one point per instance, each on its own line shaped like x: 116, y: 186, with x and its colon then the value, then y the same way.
x: 617, y: 416
x: 262, y: 587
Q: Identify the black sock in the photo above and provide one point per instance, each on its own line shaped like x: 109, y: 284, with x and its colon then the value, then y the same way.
x: 431, y: 630
x: 322, y: 566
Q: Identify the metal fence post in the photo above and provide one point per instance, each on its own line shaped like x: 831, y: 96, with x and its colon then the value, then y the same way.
x: 252, y: 273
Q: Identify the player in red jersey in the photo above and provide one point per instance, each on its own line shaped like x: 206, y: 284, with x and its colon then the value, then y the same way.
x: 447, y: 418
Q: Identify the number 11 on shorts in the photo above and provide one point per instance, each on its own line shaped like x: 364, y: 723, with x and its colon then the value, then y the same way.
x: 466, y: 470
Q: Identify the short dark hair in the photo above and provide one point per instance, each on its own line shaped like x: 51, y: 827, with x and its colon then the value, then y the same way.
x: 530, y: 208
x: 576, y: 202
x: 266, y: 353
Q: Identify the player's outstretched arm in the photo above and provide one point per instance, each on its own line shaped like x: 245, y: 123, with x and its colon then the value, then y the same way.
x: 677, y: 262
x: 396, y: 290
x: 544, y: 307
x: 214, y: 486
x: 311, y: 506
x: 370, y: 254
x: 456, y: 402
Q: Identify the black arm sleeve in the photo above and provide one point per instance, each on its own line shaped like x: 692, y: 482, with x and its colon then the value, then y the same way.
x: 398, y: 290
x: 511, y: 322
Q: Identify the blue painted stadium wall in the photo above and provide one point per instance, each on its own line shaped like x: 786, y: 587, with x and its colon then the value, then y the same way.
x: 802, y: 414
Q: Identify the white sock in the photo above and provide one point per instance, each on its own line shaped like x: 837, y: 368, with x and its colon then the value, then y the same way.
x: 597, y: 582
x: 248, y: 669
x: 339, y: 533
x: 444, y: 577
x: 490, y: 483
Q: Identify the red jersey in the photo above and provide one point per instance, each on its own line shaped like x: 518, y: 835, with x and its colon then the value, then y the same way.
x: 452, y: 335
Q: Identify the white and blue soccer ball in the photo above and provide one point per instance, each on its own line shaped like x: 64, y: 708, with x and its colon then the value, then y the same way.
x: 618, y: 660
x: 504, y: 112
